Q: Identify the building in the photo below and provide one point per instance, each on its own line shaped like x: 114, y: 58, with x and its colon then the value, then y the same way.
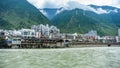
x: 91, y: 36
x: 118, y: 32
x: 117, y: 39
x: 46, y: 30
x: 27, y: 32
x: 92, y: 33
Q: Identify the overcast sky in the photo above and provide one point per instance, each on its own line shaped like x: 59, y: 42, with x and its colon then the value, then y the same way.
x: 62, y: 3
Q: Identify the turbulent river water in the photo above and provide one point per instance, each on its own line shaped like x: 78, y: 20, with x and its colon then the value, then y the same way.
x: 92, y: 57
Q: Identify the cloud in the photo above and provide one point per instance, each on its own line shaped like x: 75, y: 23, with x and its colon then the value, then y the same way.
x: 72, y: 4
x: 62, y: 3
x: 86, y: 8
x: 48, y: 3
x: 58, y: 11
x: 45, y: 13
x: 37, y: 3
x: 101, y: 11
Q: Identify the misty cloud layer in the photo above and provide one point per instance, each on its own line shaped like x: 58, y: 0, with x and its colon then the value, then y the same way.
x: 72, y: 4
x: 62, y: 3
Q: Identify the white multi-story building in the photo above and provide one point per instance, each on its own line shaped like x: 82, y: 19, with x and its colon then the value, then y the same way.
x: 27, y: 32
x: 119, y: 32
x: 118, y: 37
x: 45, y: 30
x: 92, y: 33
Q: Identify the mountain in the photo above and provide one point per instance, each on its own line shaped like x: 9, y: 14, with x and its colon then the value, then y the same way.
x: 15, y: 14
x: 80, y: 21
x: 112, y: 17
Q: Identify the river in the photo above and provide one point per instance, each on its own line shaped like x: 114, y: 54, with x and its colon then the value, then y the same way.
x: 89, y: 57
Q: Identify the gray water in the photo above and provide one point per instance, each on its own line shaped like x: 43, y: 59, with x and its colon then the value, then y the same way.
x: 96, y: 57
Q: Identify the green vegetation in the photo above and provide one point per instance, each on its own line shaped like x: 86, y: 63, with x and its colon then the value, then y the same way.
x: 77, y: 20
x: 15, y: 14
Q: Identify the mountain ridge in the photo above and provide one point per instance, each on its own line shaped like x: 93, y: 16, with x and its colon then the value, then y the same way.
x: 87, y: 19
x: 19, y: 14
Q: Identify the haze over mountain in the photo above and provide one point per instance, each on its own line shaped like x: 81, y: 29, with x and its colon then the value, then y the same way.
x: 96, y: 9
x: 80, y: 21
x: 15, y: 14
x: 50, y: 12
x: 112, y: 15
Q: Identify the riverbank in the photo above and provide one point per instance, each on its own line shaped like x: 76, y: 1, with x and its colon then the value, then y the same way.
x: 105, y: 45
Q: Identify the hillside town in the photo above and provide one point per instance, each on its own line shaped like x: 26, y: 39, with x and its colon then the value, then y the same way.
x: 45, y: 36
